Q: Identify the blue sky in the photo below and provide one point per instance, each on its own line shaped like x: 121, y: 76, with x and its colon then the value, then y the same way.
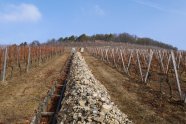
x: 28, y: 20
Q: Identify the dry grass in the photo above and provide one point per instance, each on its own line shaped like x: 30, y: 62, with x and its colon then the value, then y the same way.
x: 21, y: 95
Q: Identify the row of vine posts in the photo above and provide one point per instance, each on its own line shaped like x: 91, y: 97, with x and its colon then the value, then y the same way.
x: 148, y: 65
x: 15, y: 60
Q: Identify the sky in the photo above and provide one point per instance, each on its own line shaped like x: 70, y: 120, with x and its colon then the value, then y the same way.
x: 28, y: 20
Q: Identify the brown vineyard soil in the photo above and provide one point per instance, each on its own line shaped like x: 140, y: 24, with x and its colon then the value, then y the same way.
x: 21, y: 95
x: 141, y: 103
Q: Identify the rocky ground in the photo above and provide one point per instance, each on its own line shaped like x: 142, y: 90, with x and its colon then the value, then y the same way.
x: 86, y: 99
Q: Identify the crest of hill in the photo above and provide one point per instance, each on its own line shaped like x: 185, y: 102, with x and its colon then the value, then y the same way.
x: 116, y: 38
x: 123, y: 39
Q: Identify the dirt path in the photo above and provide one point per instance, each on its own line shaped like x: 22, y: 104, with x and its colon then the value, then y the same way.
x: 130, y: 97
x: 20, y: 97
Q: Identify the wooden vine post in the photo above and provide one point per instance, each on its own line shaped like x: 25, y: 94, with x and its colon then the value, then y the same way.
x: 28, y: 65
x: 139, y: 65
x: 40, y: 55
x: 4, y: 65
x: 176, y: 73
x: 146, y: 61
x: 149, y: 64
x: 123, y: 63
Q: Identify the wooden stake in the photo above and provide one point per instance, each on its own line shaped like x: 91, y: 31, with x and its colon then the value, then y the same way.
x: 28, y: 65
x: 150, y: 60
x: 124, y: 68
x: 4, y: 65
x: 139, y: 65
x: 176, y: 73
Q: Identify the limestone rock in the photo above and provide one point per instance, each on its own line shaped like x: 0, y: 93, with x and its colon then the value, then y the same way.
x: 86, y: 100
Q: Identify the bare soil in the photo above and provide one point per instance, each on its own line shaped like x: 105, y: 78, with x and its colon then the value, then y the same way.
x: 140, y: 102
x: 20, y: 97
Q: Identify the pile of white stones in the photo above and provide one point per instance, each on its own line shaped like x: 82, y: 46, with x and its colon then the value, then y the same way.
x: 86, y: 100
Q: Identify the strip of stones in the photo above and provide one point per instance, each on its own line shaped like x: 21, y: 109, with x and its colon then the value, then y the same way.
x: 86, y: 100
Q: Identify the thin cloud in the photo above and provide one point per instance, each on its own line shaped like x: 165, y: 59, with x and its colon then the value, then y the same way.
x: 159, y: 7
x: 20, y: 13
x: 98, y: 10
x: 150, y: 4
x: 95, y: 10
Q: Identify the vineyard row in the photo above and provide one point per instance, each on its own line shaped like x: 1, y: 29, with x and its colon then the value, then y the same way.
x: 21, y: 58
x: 148, y: 66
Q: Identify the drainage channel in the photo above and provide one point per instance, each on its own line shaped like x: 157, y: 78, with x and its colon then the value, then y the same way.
x: 48, y: 109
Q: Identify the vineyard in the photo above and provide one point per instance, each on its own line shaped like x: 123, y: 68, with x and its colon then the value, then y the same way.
x: 19, y: 59
x: 163, y: 68
x: 93, y: 82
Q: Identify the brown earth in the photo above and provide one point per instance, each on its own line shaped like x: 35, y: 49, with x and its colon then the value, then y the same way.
x: 141, y: 103
x: 20, y: 96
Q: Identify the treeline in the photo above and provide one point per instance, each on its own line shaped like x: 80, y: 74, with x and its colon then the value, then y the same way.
x: 123, y: 37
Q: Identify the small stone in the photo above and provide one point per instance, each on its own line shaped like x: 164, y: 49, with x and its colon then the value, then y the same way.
x: 86, y: 108
x: 95, y: 94
x: 106, y: 108
x: 86, y: 82
x: 99, y: 119
x: 95, y: 111
x: 79, y: 115
x: 82, y: 103
x: 103, y: 99
x: 89, y: 119
x: 75, y: 117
